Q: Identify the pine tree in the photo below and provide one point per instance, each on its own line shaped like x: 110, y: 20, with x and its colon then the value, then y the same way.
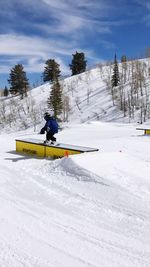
x: 115, y: 77
x: 55, y: 99
x: 6, y: 91
x: 51, y: 71
x: 78, y: 63
x: 18, y: 81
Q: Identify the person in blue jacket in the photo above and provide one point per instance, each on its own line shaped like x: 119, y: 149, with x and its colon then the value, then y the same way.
x: 50, y: 127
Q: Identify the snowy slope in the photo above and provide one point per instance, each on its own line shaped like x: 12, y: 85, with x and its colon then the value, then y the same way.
x: 89, y: 99
x: 86, y: 210
x: 89, y: 96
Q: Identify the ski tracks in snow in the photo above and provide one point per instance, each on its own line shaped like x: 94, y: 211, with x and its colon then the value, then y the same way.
x: 68, y: 216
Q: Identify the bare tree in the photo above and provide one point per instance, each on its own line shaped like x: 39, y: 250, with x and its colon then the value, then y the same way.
x: 65, y: 107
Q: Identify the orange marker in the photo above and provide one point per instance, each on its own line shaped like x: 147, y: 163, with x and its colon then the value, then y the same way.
x: 66, y: 153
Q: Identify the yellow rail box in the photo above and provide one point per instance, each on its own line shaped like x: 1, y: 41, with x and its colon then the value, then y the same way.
x: 35, y: 148
x: 146, y: 131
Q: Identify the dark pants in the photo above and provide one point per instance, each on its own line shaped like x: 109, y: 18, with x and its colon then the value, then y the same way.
x: 50, y: 136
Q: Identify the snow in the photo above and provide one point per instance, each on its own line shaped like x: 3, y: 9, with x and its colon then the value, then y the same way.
x: 87, y: 210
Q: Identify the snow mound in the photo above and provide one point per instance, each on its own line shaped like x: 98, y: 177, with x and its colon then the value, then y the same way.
x: 68, y: 167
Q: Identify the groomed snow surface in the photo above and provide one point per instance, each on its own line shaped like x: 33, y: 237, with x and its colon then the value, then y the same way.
x: 87, y: 210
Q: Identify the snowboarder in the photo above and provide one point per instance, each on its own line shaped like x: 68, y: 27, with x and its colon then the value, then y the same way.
x: 51, y: 128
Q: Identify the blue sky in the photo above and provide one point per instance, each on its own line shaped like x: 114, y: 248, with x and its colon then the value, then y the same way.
x: 32, y: 31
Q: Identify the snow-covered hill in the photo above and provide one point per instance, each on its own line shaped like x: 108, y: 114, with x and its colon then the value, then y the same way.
x: 87, y: 97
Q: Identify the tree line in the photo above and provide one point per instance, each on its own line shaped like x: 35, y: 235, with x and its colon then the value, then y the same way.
x: 19, y: 84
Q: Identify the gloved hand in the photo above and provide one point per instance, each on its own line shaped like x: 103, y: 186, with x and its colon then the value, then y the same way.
x: 42, y: 131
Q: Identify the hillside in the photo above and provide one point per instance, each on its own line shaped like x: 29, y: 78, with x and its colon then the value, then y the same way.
x: 87, y: 97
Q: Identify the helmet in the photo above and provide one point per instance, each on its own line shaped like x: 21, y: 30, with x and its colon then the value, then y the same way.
x: 48, y: 115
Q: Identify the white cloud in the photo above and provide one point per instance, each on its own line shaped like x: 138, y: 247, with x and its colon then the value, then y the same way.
x: 21, y: 45
x: 72, y: 16
x: 60, y: 27
x: 33, y: 51
x: 13, y: 44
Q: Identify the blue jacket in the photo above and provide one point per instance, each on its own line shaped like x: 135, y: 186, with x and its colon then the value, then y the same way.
x: 51, y: 125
